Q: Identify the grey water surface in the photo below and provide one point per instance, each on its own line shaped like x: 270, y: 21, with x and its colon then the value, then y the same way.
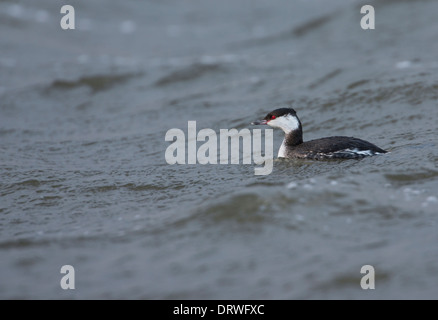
x: 84, y: 180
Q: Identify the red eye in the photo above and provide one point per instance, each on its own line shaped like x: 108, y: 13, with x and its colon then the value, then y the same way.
x: 273, y: 117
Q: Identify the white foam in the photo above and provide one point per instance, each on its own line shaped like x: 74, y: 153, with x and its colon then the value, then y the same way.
x: 307, y: 186
x: 403, y: 64
x: 15, y: 10
x: 292, y: 185
x: 127, y: 27
x: 429, y: 200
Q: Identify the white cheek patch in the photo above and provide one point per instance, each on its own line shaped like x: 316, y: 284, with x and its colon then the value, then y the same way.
x: 287, y: 123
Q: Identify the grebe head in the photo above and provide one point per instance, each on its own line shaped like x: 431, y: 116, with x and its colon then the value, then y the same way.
x: 284, y: 118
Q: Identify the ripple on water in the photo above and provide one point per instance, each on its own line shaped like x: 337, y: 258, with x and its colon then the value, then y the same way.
x: 95, y: 82
x: 189, y: 73
x: 411, y: 177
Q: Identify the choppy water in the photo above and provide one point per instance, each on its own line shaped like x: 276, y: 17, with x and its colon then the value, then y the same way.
x: 84, y: 180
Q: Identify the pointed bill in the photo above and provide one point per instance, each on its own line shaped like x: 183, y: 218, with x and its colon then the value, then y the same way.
x: 259, y: 122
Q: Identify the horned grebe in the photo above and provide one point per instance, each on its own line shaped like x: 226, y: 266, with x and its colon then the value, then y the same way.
x: 324, y: 148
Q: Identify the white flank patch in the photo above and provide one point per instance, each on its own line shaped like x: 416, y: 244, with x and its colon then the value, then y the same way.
x: 359, y: 152
x: 286, y: 123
